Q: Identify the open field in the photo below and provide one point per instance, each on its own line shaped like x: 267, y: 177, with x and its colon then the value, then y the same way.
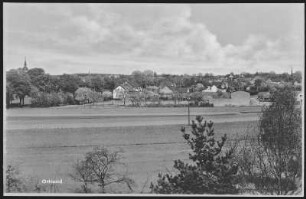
x: 82, y: 116
x: 94, y: 110
x: 46, y: 142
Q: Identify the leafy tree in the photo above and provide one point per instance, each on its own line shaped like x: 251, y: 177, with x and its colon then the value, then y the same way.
x: 35, y: 72
x: 42, y: 81
x: 43, y: 99
x: 97, y: 83
x: 136, y: 98
x: 197, y: 97
x: 139, y: 78
x: 213, y: 170
x: 199, y: 87
x: 86, y: 81
x: 83, y: 95
x: 20, y: 83
x: 109, y: 83
x: 86, y: 95
x: 99, y: 167
x: 69, y: 83
x: 9, y: 94
x: 148, y: 77
x: 95, y: 96
x: 148, y: 73
x: 272, y: 159
x: 13, y: 180
x: 297, y: 76
x: 258, y: 83
x: 107, y: 95
x: 68, y: 98
x: 280, y: 134
x: 34, y: 91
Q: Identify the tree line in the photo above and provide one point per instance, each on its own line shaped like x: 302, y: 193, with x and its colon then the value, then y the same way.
x: 52, y: 90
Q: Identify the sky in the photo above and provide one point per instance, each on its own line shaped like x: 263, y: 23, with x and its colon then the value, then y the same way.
x: 166, y: 38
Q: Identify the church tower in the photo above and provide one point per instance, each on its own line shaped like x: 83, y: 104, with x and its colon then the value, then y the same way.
x: 25, y: 68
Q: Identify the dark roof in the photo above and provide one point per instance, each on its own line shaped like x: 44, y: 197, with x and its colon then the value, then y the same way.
x: 165, y: 90
x: 124, y: 86
x: 127, y: 86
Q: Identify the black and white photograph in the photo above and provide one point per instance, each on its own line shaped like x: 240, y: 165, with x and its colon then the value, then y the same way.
x: 153, y: 99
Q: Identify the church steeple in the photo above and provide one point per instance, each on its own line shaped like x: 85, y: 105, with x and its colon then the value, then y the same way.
x: 25, y: 68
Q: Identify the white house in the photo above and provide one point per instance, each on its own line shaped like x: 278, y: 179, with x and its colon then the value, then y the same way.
x: 211, y: 89
x: 118, y: 92
x: 121, y: 90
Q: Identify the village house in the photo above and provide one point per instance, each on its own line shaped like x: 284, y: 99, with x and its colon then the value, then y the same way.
x: 211, y: 89
x: 120, y: 91
x: 152, y: 88
x: 166, y: 93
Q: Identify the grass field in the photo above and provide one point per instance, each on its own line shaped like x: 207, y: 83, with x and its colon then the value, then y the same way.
x: 150, y: 145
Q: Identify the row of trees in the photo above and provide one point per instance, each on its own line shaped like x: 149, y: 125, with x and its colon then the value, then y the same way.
x: 35, y: 82
x: 50, y: 90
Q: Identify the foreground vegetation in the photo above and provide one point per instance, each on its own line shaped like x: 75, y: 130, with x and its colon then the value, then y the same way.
x: 213, y: 170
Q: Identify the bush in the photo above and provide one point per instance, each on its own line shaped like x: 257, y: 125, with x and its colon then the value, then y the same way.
x: 13, y: 180
x: 107, y: 95
x: 280, y: 134
x: 205, y: 104
x: 70, y: 99
x: 86, y: 95
x: 42, y: 99
x: 135, y: 98
x: 16, y: 182
x: 100, y: 167
x: 67, y: 98
x: 39, y: 100
x: 55, y: 99
x: 273, y: 160
x: 213, y: 170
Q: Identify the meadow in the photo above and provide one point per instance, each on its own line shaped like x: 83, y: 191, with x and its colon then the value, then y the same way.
x: 45, y: 143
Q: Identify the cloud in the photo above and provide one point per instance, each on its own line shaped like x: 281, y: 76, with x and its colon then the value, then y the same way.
x: 105, y: 35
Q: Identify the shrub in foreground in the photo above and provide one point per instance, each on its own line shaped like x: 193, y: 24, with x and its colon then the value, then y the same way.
x: 273, y: 160
x: 101, y: 168
x: 213, y: 170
